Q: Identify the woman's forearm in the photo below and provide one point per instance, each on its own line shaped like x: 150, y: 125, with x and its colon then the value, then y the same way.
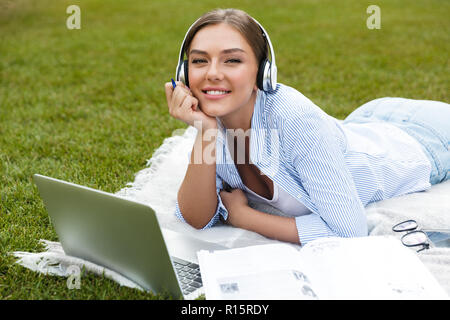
x: 268, y: 225
x: 197, y: 197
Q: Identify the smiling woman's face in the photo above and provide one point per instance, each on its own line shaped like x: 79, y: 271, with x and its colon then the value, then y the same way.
x: 222, y: 71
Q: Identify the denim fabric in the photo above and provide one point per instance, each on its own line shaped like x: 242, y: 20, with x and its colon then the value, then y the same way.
x: 425, y: 120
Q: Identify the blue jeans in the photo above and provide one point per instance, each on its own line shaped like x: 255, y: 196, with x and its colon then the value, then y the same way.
x: 425, y: 120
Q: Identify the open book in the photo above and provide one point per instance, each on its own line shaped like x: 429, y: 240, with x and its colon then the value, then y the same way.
x: 330, y: 268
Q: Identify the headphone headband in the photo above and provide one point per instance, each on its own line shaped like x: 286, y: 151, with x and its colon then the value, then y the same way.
x: 181, y: 55
x: 267, y: 75
x: 271, y: 78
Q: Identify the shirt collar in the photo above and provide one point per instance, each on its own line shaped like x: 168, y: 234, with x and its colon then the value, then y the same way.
x: 257, y: 128
x: 257, y: 132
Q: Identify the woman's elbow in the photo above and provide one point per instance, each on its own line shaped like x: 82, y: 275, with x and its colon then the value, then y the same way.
x: 198, y: 218
x: 197, y: 224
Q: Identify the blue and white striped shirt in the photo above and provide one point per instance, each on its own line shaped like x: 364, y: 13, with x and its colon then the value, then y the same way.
x: 333, y: 168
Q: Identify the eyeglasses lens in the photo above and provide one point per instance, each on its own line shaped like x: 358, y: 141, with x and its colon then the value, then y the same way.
x: 414, y: 238
x: 405, y: 226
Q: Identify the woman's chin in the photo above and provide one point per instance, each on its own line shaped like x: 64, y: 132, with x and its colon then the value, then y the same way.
x: 213, y: 112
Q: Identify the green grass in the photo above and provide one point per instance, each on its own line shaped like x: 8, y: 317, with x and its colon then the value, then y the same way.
x: 88, y: 105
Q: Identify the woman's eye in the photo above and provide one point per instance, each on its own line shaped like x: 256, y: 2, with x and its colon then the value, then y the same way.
x: 197, y: 61
x: 233, y: 61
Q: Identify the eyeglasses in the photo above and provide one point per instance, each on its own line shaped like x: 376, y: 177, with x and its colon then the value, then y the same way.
x: 413, y: 237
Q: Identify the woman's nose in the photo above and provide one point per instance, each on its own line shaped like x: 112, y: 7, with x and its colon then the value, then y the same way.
x: 214, y: 72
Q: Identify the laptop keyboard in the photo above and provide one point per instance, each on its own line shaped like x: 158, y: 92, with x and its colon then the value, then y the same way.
x: 188, y: 275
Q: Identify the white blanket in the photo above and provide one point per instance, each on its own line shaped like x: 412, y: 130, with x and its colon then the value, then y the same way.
x: 157, y: 186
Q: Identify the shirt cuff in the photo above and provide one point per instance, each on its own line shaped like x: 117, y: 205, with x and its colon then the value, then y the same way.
x: 311, y: 227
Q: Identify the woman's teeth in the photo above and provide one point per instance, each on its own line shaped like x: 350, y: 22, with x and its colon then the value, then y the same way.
x: 215, y: 92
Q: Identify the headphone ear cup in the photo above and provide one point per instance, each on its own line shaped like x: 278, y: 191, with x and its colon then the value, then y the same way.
x: 260, y: 76
x: 186, y: 79
x: 183, y: 73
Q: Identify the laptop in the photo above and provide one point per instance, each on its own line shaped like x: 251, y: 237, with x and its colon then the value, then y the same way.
x: 124, y: 236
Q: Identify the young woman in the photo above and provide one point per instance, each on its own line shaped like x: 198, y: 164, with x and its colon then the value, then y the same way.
x: 274, y: 146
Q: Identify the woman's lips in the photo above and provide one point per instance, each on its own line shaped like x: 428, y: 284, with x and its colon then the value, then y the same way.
x: 215, y: 94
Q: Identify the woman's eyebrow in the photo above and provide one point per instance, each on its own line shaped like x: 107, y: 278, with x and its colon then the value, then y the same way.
x: 232, y: 50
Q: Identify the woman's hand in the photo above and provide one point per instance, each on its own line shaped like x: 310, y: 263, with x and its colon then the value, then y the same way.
x: 184, y: 106
x: 234, y: 202
x: 240, y: 215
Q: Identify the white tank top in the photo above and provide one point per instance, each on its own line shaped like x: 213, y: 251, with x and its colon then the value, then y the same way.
x: 283, y: 203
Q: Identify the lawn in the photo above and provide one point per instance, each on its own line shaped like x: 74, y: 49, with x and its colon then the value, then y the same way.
x: 88, y: 105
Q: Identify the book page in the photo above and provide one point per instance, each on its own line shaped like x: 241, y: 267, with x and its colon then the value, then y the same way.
x: 329, y: 268
x: 271, y: 271
x: 266, y: 285
x: 368, y: 268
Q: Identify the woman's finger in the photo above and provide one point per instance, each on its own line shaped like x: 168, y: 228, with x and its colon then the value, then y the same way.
x: 188, y: 103
x: 169, y: 92
x: 178, y: 97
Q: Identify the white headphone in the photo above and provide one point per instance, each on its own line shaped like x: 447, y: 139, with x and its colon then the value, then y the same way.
x: 267, y: 71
